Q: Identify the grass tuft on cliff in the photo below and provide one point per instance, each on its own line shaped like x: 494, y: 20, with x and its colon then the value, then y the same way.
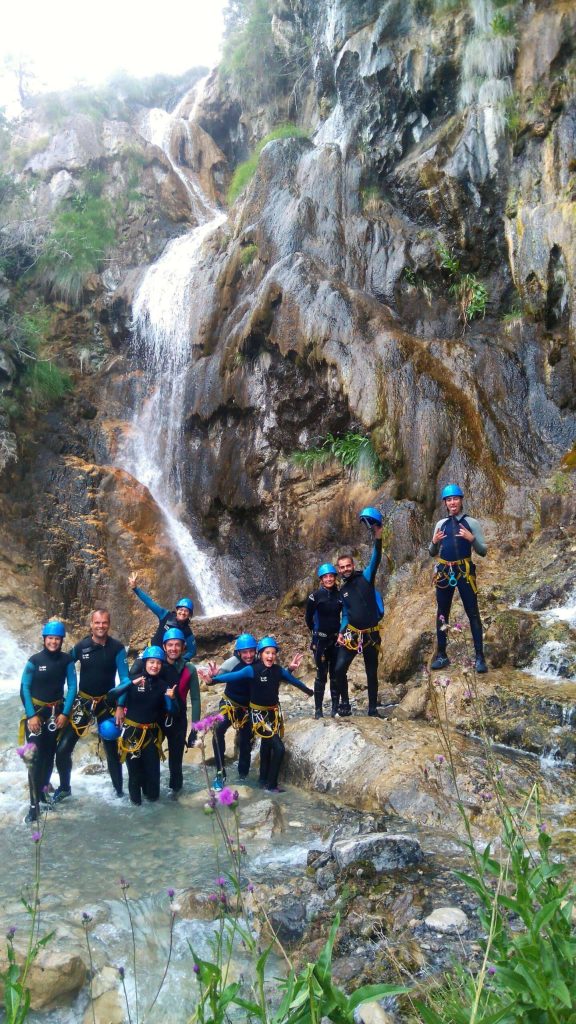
x: 246, y: 170
x: 81, y: 235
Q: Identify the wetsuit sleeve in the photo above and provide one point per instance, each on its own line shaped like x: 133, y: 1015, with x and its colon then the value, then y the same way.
x: 120, y: 691
x: 27, y: 677
x: 310, y: 609
x: 243, y: 673
x: 433, y: 549
x: 190, y: 649
x: 229, y: 664
x: 171, y: 704
x: 74, y: 654
x: 136, y: 668
x: 369, y: 573
x: 122, y: 667
x: 157, y: 609
x: 289, y: 678
x: 71, y: 689
x: 196, y: 709
x: 479, y: 543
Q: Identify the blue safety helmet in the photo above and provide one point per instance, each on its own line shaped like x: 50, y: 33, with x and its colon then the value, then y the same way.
x: 153, y: 652
x: 186, y: 602
x: 371, y: 516
x: 174, y: 634
x: 452, y: 491
x: 326, y: 568
x: 54, y: 628
x: 108, y: 730
x: 266, y: 641
x: 245, y: 642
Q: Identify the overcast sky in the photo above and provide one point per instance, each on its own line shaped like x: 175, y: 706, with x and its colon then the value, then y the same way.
x: 70, y: 41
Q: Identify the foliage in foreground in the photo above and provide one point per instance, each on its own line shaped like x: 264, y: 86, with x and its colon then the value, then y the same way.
x: 526, y: 904
x: 470, y: 294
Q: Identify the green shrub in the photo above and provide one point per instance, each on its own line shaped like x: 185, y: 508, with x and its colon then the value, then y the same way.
x: 354, y: 451
x: 470, y: 294
x: 248, y: 254
x: 46, y: 382
x: 246, y: 170
x: 81, y: 235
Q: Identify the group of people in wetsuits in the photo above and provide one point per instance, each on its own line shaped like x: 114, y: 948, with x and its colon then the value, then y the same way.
x: 149, y: 703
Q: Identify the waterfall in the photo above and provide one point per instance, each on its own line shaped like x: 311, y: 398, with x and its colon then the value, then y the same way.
x: 12, y: 660
x: 162, y: 337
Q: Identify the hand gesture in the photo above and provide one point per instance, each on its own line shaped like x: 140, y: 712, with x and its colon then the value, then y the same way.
x: 133, y: 580
x: 296, y: 662
x: 171, y: 692
x: 466, y: 534
x: 438, y: 536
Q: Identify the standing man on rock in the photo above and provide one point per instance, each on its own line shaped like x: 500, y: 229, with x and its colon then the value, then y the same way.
x: 453, y: 540
x: 361, y: 613
x: 100, y: 657
x: 179, y: 618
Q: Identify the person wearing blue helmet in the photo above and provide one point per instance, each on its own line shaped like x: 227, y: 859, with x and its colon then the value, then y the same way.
x: 183, y: 674
x: 178, y: 618
x: 101, y: 658
x: 264, y: 677
x: 454, y: 539
x: 323, y: 613
x: 362, y: 610
x: 46, y: 708
x: 141, y: 703
x: 235, y: 707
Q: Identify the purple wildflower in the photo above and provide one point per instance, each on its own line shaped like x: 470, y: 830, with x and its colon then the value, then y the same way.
x: 220, y: 881
x: 242, y: 848
x: 212, y: 897
x: 491, y: 971
x: 171, y: 894
x: 36, y: 837
x: 543, y: 826
x: 86, y: 917
x: 11, y: 932
x: 467, y: 694
x: 439, y: 759
x: 207, y: 723
x: 227, y: 797
x: 196, y: 968
x: 250, y: 887
x: 124, y: 884
x: 457, y: 626
x: 26, y: 749
x: 487, y: 796
x: 122, y: 972
x: 208, y: 808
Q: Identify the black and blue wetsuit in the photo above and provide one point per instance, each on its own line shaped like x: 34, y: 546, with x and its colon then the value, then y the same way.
x: 99, y: 664
x: 146, y: 702
x: 455, y: 570
x: 360, y: 609
x: 323, y: 612
x: 167, y: 620
x: 264, y: 689
x: 235, y: 706
x: 42, y: 690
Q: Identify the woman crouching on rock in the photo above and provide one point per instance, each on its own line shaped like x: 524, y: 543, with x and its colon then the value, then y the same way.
x: 140, y: 705
x: 264, y: 677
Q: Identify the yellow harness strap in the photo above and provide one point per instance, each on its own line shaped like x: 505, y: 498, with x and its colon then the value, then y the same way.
x: 84, y: 712
x: 37, y: 704
x: 237, y: 713
x: 267, y: 721
x: 357, y: 639
x: 461, y: 569
x: 149, y: 733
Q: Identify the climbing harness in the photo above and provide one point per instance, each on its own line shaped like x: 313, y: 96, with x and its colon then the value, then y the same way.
x: 237, y: 713
x: 447, y: 574
x: 136, y: 736
x: 39, y: 704
x: 357, y: 639
x: 267, y: 721
x: 85, y: 712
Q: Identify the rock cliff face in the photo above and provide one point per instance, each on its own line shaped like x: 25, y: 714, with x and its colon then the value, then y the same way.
x: 334, y: 299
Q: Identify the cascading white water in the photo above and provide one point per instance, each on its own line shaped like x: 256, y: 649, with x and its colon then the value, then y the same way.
x: 12, y: 660
x: 162, y: 341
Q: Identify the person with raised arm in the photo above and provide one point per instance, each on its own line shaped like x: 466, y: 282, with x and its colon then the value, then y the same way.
x: 178, y: 618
